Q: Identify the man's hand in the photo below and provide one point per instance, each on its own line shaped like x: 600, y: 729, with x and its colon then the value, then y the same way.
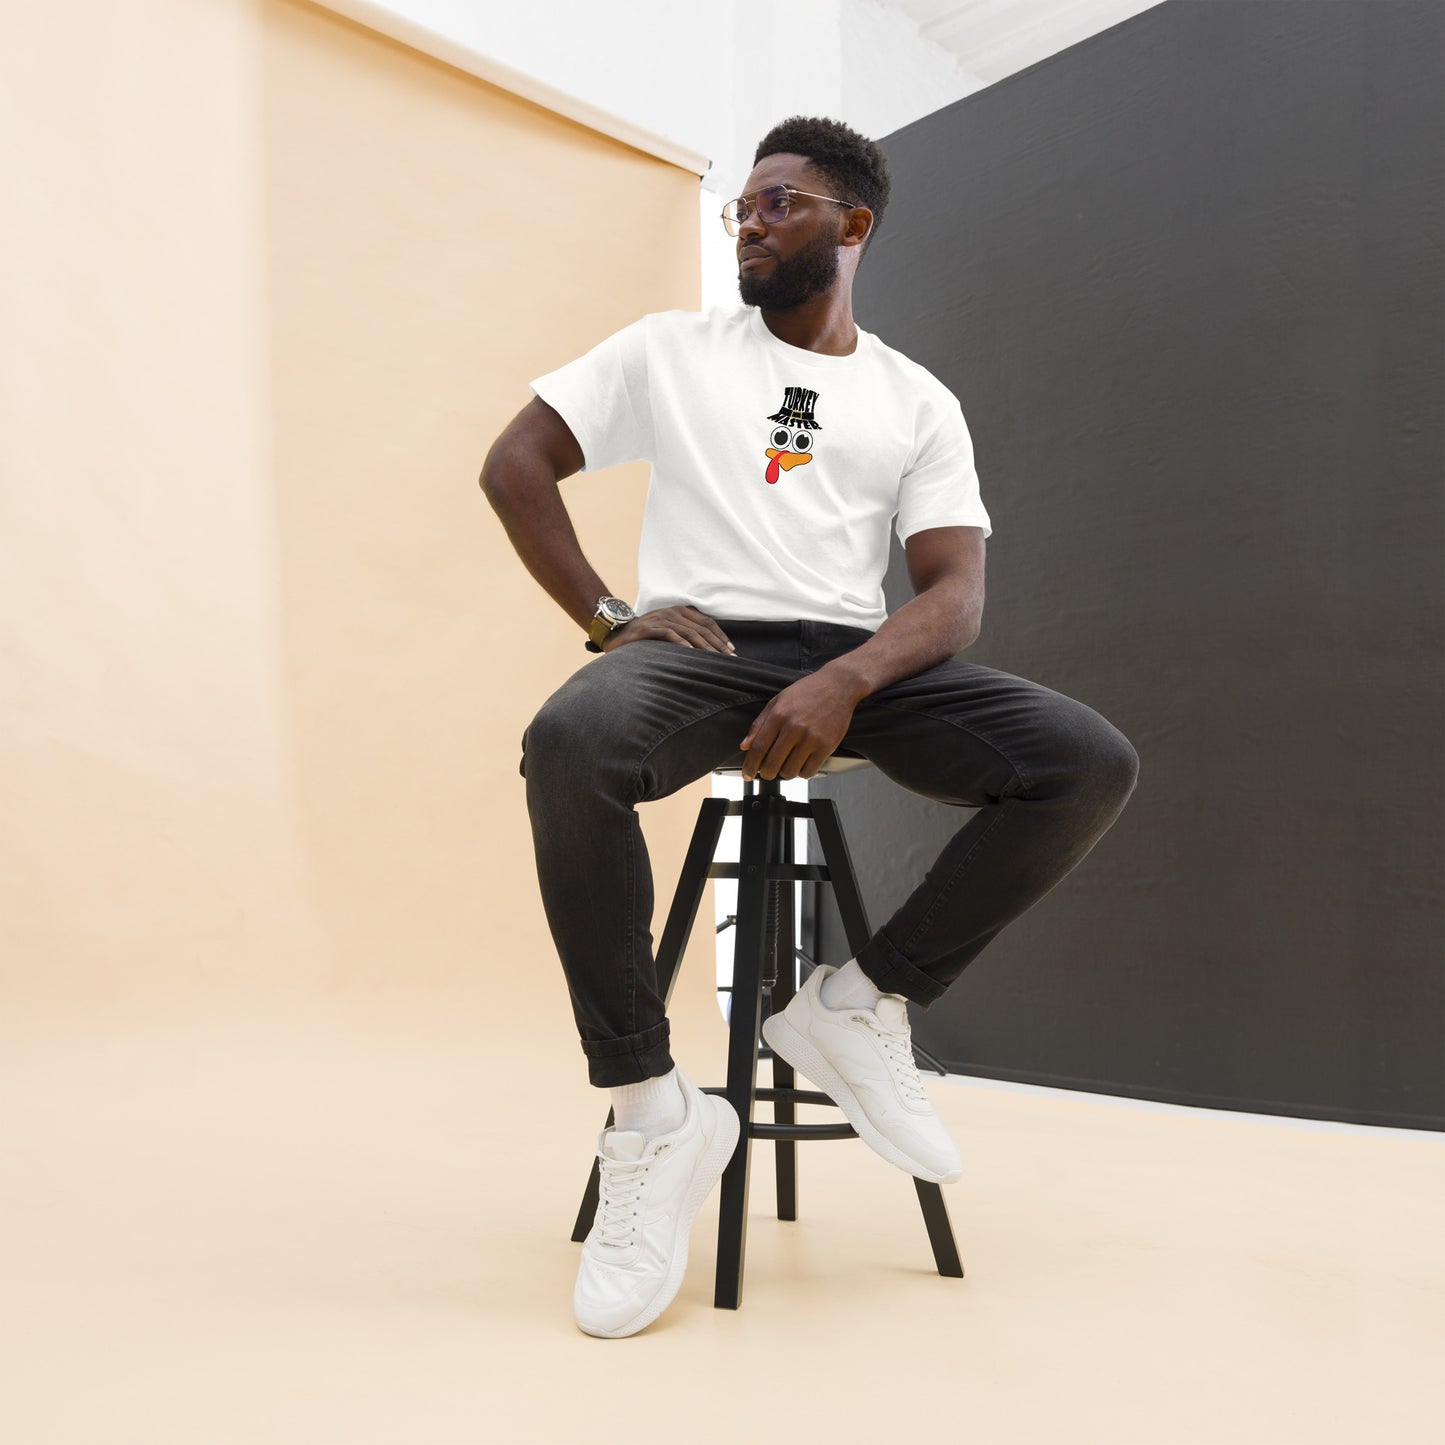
x: 800, y: 728
x: 672, y: 624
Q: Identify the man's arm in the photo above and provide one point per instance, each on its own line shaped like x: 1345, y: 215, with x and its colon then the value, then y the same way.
x: 520, y: 475
x: 803, y: 724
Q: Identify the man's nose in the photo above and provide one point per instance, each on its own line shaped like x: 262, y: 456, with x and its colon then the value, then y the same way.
x: 752, y: 226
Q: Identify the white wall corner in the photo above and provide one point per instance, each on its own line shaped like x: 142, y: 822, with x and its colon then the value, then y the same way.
x: 892, y: 74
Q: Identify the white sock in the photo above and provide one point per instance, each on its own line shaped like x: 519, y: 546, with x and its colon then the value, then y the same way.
x: 653, y: 1107
x: 850, y: 987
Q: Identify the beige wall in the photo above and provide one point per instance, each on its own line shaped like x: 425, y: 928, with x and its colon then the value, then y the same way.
x: 266, y: 655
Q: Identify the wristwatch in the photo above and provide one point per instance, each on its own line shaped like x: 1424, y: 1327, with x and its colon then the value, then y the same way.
x: 611, y: 613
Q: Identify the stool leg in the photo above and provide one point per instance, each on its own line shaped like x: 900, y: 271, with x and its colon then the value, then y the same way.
x: 940, y: 1231
x: 691, y: 884
x: 839, y: 863
x: 587, y: 1210
x: 785, y: 965
x: 745, y: 1019
x: 855, y: 924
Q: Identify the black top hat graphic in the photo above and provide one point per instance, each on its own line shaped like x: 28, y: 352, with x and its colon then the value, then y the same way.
x: 797, y: 408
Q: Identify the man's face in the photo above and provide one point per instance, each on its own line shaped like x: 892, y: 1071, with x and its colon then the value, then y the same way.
x: 783, y: 265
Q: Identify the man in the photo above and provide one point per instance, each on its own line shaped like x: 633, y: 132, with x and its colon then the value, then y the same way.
x: 785, y: 442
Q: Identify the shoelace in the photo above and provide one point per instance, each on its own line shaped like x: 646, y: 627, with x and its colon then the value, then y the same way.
x: 899, y: 1047
x: 620, y: 1187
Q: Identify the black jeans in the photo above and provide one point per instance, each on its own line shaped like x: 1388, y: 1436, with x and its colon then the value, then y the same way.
x: 1048, y: 775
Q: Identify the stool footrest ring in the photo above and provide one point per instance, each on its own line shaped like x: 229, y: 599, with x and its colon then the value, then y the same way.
x: 777, y: 872
x: 779, y: 1096
x: 795, y: 1132
x: 802, y: 1131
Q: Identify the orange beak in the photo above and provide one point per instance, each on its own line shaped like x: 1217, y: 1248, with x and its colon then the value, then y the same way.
x: 786, y: 460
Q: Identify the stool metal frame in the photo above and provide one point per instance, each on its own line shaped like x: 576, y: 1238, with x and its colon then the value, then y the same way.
x: 764, y: 962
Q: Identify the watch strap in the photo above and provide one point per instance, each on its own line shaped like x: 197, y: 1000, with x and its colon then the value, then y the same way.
x: 599, y: 632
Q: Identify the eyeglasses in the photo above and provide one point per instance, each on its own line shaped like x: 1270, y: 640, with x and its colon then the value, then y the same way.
x: 772, y: 205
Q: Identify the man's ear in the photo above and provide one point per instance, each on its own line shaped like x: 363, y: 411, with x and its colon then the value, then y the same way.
x: 857, y: 226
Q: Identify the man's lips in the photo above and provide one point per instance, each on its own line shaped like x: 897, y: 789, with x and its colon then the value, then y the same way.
x: 753, y: 253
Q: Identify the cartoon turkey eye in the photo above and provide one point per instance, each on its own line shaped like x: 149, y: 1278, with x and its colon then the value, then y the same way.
x: 780, y: 436
x: 803, y: 442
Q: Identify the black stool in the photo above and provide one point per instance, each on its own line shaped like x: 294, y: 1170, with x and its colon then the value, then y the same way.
x: 764, y: 961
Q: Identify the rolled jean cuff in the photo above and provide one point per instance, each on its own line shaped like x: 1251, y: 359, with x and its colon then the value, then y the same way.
x: 893, y: 973
x: 630, y: 1060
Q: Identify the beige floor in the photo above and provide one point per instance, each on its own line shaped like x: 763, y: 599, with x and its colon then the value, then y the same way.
x: 293, y: 1220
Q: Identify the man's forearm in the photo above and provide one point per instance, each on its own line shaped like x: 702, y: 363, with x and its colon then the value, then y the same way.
x: 934, y: 626
x: 525, y: 496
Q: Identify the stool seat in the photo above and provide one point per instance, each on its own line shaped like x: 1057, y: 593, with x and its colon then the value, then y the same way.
x: 838, y: 763
x: 765, y: 968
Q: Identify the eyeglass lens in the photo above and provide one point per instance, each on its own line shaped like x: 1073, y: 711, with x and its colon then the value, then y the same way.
x: 771, y: 205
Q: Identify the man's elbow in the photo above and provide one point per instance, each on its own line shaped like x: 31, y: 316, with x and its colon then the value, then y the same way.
x: 492, y: 479
x: 970, y: 623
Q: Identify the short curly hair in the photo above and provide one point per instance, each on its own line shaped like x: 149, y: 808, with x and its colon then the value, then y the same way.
x: 852, y: 164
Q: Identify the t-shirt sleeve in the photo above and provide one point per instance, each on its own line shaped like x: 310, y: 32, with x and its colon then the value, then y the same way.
x: 603, y: 398
x: 940, y: 486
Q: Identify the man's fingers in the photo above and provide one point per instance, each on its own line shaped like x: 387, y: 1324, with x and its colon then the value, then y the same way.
x: 705, y: 639
x: 755, y: 746
x: 769, y: 746
x: 657, y: 632
x: 770, y: 751
x: 724, y: 644
x: 776, y: 763
x: 755, y: 731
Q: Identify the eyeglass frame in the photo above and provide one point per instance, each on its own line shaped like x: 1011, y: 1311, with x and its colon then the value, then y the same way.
x: 790, y: 191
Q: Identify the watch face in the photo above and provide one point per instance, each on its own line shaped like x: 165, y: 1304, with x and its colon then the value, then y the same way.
x: 615, y: 610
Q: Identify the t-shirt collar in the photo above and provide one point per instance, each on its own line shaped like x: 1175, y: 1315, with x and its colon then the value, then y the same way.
x: 800, y: 354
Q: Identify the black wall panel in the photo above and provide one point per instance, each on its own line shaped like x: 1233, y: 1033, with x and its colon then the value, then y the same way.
x: 1186, y: 279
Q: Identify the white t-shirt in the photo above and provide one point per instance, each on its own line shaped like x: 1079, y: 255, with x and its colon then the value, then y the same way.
x: 776, y: 471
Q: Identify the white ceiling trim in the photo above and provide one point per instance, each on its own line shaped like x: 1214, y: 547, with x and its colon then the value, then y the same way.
x: 457, y: 53
x: 996, y: 38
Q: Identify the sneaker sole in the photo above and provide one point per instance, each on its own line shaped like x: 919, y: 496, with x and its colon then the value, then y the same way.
x: 714, y: 1160
x: 785, y: 1040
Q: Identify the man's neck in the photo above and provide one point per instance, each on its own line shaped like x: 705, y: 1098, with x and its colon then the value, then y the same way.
x: 824, y: 324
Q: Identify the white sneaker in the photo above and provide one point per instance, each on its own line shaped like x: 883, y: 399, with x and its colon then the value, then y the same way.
x: 863, y: 1060
x: 635, y: 1255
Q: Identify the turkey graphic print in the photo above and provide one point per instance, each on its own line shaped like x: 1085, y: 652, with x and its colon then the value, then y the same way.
x: 791, y: 440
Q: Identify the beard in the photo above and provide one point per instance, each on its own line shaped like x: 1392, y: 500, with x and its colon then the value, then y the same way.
x: 810, y: 272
